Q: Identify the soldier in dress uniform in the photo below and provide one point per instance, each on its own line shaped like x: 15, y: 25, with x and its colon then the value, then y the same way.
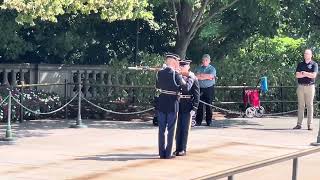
x: 189, y: 101
x: 169, y: 82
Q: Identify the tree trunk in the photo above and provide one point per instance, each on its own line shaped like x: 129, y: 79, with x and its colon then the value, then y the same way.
x: 182, y: 45
x: 183, y: 23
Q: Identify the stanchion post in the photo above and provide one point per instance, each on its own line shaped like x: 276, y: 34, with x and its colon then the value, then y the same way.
x: 79, y: 120
x: 21, y: 101
x: 8, y: 130
x: 66, y: 97
x: 318, y: 138
x: 282, y: 103
x: 295, y: 169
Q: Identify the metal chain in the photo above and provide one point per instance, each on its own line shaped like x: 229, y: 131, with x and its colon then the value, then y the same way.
x: 241, y: 113
x: 280, y: 113
x: 4, y: 100
x: 114, y: 112
x: 287, y: 112
x: 222, y: 109
x: 45, y: 113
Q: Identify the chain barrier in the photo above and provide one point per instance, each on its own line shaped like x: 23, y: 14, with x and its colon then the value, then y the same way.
x: 4, y: 100
x: 138, y: 112
x: 287, y: 112
x: 45, y: 113
x: 222, y: 109
x: 280, y: 113
x: 241, y: 113
x: 115, y: 112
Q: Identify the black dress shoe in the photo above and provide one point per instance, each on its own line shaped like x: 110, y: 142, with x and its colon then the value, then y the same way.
x: 209, y: 123
x: 310, y: 128
x: 171, y: 157
x: 182, y: 153
x: 297, y: 127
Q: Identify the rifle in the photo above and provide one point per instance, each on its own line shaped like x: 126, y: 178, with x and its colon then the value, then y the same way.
x: 145, y: 68
x: 148, y: 68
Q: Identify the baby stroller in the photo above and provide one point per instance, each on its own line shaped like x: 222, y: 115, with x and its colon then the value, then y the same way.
x: 251, y: 100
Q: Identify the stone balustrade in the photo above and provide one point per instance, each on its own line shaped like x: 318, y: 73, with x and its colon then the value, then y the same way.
x: 96, y: 80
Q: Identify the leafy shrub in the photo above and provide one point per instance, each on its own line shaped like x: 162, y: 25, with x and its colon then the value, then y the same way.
x: 36, y: 100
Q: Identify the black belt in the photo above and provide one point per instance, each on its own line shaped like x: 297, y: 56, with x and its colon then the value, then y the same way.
x: 162, y: 91
x: 306, y: 84
x: 185, y: 96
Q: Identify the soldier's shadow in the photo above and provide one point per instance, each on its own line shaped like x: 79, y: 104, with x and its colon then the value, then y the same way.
x: 228, y: 123
x: 120, y: 157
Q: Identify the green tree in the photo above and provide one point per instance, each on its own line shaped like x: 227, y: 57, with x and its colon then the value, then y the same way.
x: 12, y: 44
x: 223, y: 36
x: 49, y: 10
x: 191, y: 15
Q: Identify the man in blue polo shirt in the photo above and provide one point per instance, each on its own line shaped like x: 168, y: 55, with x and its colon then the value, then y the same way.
x: 206, y: 75
x: 306, y: 74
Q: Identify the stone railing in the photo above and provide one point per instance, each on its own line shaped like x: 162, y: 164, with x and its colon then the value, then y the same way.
x: 96, y: 80
x: 13, y: 74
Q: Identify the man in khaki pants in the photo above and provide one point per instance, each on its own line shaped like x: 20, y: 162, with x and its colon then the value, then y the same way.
x: 306, y: 73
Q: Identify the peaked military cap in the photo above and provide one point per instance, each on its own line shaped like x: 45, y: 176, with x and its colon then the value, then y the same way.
x: 171, y: 55
x: 185, y: 62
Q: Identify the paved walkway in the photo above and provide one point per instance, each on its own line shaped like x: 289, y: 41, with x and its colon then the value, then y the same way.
x: 48, y: 149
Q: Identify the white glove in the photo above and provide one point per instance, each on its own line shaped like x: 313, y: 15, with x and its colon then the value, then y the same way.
x: 192, y: 113
x: 192, y: 75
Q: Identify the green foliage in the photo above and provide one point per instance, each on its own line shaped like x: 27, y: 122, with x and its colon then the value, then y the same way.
x: 12, y: 44
x: 29, y: 10
x: 275, y: 58
x: 36, y: 100
x: 136, y: 78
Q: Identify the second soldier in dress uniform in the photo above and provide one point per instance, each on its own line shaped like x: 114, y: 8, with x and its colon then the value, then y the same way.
x: 169, y: 82
x: 189, y: 101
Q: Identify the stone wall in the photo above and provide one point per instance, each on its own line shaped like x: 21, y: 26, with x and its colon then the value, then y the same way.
x: 97, y: 80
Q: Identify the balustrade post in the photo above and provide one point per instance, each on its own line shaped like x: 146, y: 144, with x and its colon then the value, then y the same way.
x: 102, y: 83
x: 109, y: 83
x: 13, y: 78
x: 5, y: 81
x: 86, y: 84
x: 94, y: 83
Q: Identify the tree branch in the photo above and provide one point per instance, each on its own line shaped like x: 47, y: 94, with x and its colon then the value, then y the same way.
x: 175, y: 16
x: 216, y: 13
x: 179, y: 6
x: 197, y: 20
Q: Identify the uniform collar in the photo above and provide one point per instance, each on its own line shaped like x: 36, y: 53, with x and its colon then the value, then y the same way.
x: 308, y: 62
x: 170, y: 68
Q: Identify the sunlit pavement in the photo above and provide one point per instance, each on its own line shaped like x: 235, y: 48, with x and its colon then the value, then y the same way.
x: 48, y: 149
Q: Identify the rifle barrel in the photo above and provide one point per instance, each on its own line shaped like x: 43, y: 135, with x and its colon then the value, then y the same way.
x: 144, y: 68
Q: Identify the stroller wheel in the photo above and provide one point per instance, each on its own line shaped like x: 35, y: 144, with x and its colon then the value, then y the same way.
x: 250, y: 112
x: 260, y: 111
x: 155, y: 121
x: 193, y: 123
